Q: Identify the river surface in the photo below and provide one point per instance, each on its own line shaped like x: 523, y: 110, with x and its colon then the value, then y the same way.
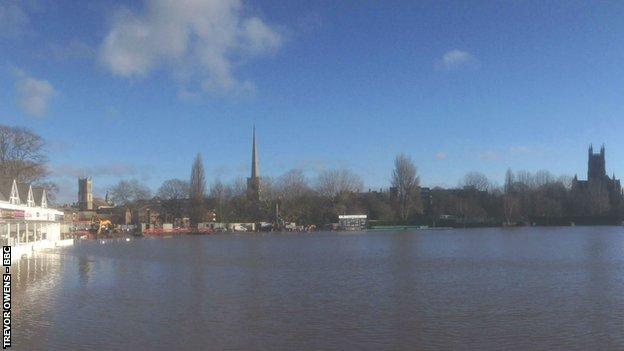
x: 475, y: 289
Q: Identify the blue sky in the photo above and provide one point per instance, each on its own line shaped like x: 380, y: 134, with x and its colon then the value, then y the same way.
x: 135, y: 89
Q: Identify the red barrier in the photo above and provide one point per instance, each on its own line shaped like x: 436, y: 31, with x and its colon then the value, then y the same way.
x: 160, y: 231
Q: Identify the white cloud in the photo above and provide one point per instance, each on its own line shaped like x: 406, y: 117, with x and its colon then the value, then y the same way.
x: 456, y: 59
x: 199, y: 42
x: 33, y: 95
x: 13, y: 20
x: 441, y: 155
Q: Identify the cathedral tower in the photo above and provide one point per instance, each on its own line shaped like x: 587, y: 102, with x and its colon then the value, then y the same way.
x: 596, y: 164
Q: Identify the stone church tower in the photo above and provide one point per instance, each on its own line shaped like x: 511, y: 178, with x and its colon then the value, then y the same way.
x: 85, y: 194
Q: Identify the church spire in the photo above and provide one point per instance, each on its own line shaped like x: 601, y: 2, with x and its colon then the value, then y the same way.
x: 255, y: 170
x: 253, y: 182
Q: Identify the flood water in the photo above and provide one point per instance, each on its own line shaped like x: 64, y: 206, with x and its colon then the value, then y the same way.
x: 476, y: 289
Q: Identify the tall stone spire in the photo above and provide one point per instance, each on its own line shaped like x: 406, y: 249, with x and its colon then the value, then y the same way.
x: 255, y: 170
x: 253, y: 182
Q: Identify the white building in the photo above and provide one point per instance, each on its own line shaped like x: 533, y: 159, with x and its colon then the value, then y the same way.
x: 353, y: 222
x: 26, y: 222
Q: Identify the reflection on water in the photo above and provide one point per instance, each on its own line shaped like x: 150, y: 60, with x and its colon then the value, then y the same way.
x: 31, y: 271
x: 518, y: 289
x: 84, y: 268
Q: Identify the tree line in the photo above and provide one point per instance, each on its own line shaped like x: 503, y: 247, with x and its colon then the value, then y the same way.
x: 524, y: 197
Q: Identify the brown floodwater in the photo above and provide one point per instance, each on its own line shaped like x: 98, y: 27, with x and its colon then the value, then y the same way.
x: 475, y: 289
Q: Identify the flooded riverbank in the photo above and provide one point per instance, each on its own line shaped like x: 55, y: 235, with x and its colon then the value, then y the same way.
x: 519, y: 289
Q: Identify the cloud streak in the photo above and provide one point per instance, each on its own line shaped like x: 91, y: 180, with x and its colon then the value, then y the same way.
x: 457, y: 59
x: 113, y: 169
x: 33, y: 95
x: 198, y: 42
x: 490, y: 155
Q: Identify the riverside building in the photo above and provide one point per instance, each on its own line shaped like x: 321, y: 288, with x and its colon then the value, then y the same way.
x: 26, y: 222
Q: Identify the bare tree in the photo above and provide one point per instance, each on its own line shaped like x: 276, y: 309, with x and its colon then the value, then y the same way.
x: 221, y: 194
x: 510, y: 179
x: 268, y: 189
x: 172, y: 193
x: 526, y: 179
x: 543, y: 177
x: 598, y: 200
x: 220, y: 191
x: 511, y: 209
x: 174, y: 189
x: 405, y: 183
x: 566, y: 181
x: 197, y: 190
x: 239, y: 187
x: 21, y: 155
x: 477, y: 181
x: 511, y: 204
x: 332, y: 183
x: 292, y: 184
x: 51, y: 190
x: 128, y: 191
x: 294, y: 197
